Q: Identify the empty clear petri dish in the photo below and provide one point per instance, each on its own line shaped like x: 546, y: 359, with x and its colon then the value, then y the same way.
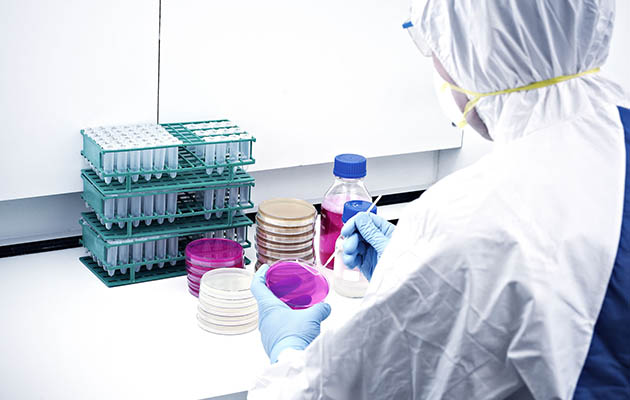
x: 287, y: 212
x: 214, y: 253
x: 226, y: 311
x: 226, y: 329
x: 297, y: 283
x: 227, y: 283
x: 227, y: 320
x: 223, y: 303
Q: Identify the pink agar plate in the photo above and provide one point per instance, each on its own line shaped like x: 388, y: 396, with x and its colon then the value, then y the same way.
x: 297, y: 283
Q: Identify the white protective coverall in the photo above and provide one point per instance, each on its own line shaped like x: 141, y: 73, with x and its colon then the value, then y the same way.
x: 493, y: 280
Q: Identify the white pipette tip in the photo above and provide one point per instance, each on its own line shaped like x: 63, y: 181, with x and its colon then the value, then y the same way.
x: 368, y: 211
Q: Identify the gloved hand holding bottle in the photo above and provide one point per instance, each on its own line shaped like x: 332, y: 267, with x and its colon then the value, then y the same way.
x: 366, y: 237
x: 280, y: 326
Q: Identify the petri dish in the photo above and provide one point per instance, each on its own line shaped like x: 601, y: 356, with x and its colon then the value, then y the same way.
x: 194, y: 280
x: 227, y: 303
x: 227, y: 283
x: 227, y: 320
x: 214, y: 253
x: 299, y: 246
x: 226, y: 311
x: 195, y: 270
x: 277, y: 238
x: 193, y: 291
x: 303, y: 254
x: 261, y: 259
x: 226, y: 329
x: 297, y: 283
x: 283, y: 230
x: 287, y: 212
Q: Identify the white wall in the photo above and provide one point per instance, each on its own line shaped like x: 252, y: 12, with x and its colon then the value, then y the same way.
x: 66, y: 65
x: 311, y: 79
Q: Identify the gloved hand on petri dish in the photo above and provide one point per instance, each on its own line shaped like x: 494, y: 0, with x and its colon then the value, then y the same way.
x: 280, y: 326
x: 366, y: 236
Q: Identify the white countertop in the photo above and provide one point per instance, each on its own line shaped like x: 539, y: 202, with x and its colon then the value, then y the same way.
x: 64, y: 334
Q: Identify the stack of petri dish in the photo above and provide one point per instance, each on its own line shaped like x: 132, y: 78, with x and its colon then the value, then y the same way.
x: 205, y: 255
x: 226, y: 305
x: 285, y: 229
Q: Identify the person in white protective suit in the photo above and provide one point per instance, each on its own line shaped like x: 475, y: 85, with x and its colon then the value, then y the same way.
x: 492, y: 283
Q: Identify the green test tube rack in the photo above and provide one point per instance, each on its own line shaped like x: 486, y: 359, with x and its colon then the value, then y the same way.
x: 105, y: 236
x: 100, y: 242
x: 188, y: 160
x: 187, y: 190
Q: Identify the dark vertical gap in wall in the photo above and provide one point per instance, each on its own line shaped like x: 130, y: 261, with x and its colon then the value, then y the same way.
x: 158, y: 64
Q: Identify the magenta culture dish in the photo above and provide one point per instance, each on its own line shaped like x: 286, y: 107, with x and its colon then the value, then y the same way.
x: 297, y: 283
x: 204, y: 255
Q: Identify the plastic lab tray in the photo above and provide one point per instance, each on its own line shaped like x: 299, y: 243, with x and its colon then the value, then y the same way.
x: 187, y: 159
x: 96, y: 193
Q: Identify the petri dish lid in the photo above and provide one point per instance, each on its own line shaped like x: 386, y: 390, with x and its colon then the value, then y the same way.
x: 297, y: 283
x: 214, y: 252
x: 226, y: 329
x: 279, y: 238
x: 227, y: 320
x: 227, y: 283
x: 300, y: 246
x: 303, y: 254
x: 287, y: 212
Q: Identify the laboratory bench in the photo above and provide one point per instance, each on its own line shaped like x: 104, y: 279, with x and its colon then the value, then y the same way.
x: 64, y: 334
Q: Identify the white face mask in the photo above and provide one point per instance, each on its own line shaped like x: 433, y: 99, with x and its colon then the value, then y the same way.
x: 447, y: 102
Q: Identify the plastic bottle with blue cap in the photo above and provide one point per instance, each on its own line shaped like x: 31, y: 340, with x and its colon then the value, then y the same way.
x: 349, y: 282
x: 350, y: 171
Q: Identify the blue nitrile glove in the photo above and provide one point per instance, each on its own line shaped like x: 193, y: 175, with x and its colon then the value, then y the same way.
x: 280, y: 326
x: 365, y: 237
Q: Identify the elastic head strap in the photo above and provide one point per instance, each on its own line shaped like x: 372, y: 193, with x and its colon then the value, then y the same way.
x: 476, y: 97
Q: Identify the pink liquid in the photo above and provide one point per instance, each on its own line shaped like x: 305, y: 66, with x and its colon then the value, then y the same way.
x: 329, y: 232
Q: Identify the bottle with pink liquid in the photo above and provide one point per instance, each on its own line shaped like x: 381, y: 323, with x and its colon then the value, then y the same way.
x: 349, y: 171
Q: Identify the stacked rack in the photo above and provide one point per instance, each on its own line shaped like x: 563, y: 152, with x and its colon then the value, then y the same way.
x: 154, y: 188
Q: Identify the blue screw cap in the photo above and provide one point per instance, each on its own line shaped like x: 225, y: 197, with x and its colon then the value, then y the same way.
x: 353, y: 207
x: 350, y: 166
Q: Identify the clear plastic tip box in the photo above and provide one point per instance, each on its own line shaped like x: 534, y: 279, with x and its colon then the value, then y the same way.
x: 132, y: 153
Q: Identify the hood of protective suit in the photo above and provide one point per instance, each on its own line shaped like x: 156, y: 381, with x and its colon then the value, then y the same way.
x: 489, y: 46
x: 493, y: 280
